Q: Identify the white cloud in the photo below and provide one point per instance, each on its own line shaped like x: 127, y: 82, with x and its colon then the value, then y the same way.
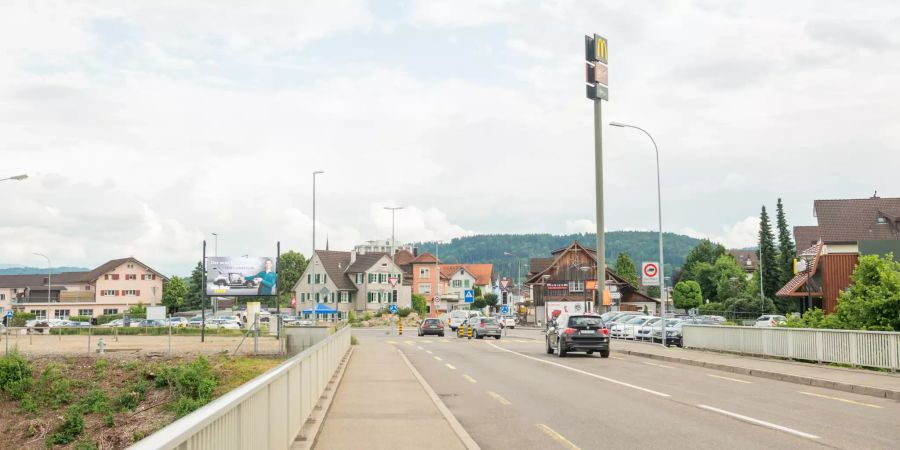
x: 739, y: 235
x: 581, y: 226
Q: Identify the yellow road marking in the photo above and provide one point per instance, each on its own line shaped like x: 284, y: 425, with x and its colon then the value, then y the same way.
x: 658, y: 365
x: 500, y: 399
x: 557, y: 437
x: 845, y: 400
x: 730, y: 379
x: 438, y: 358
x: 470, y: 379
x: 450, y: 366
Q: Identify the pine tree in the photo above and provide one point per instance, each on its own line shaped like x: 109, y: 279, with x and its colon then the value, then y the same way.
x: 767, y: 256
x: 786, y: 248
x: 626, y: 269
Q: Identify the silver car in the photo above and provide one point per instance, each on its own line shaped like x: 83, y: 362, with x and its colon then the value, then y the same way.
x: 484, y: 326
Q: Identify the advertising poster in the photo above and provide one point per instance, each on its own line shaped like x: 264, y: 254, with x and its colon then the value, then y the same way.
x: 240, y: 277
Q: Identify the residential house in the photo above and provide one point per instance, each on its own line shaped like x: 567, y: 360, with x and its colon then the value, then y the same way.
x: 111, y: 288
x: 747, y: 259
x: 336, y: 282
x: 828, y: 252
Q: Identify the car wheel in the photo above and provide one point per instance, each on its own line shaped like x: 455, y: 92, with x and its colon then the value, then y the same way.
x: 498, y: 337
x: 590, y: 352
x: 560, y: 350
x: 549, y: 348
x: 604, y: 353
x: 441, y: 335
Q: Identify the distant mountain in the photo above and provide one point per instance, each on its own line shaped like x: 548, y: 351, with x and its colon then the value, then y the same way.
x: 8, y: 269
x: 490, y: 248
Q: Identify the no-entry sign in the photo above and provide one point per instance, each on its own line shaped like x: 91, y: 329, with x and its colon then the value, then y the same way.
x: 650, y: 274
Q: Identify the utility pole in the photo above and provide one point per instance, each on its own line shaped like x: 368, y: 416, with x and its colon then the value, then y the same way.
x: 597, y: 79
x: 313, y: 273
x: 393, y: 210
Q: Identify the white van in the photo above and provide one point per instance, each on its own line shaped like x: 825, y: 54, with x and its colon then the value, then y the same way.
x: 458, y: 316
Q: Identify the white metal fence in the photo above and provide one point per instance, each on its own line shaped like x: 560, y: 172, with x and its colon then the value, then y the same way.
x: 266, y: 412
x: 858, y: 348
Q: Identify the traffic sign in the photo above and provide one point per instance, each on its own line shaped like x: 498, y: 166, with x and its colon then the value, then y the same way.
x: 504, y: 283
x: 437, y: 301
x: 393, y: 309
x: 504, y: 309
x: 469, y: 296
x: 650, y: 274
x: 9, y: 314
x: 393, y: 281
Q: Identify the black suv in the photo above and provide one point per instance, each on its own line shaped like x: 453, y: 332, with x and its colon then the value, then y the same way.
x: 578, y: 333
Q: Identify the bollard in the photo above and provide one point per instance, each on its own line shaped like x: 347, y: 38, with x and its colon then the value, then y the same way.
x: 401, y: 327
x: 101, y: 346
x: 469, y: 330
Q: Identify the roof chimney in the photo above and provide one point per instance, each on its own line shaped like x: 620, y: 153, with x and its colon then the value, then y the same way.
x: 352, y: 257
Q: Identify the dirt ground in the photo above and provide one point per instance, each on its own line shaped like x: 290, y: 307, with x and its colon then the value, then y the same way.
x: 131, y: 346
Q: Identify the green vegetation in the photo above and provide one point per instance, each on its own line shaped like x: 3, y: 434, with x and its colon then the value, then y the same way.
x: 626, y: 268
x: 194, y: 297
x: 419, y: 304
x: 771, y: 272
x: 687, y: 295
x: 290, y: 268
x: 80, y: 318
x: 404, y: 312
x: 174, y: 292
x: 19, y: 318
x: 786, y: 247
x: 15, y: 375
x: 479, y: 303
x: 490, y: 300
x: 192, y: 383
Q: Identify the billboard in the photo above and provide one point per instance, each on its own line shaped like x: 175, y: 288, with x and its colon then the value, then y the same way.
x: 240, y: 277
x: 577, y: 307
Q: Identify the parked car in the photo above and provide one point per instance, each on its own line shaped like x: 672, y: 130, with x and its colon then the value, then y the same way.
x: 431, y: 326
x: 195, y: 321
x: 458, y: 316
x: 227, y: 324
x: 177, y: 322
x: 152, y: 323
x: 673, y: 331
x: 612, y: 315
x: 626, y: 329
x: 770, y: 320
x: 507, y: 321
x: 713, y: 320
x: 578, y: 333
x: 645, y: 332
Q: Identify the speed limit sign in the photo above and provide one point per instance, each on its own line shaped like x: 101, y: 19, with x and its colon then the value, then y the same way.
x: 650, y: 274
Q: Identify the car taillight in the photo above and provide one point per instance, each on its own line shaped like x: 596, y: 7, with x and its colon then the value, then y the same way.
x: 605, y: 332
x: 570, y: 331
x: 481, y: 325
x: 441, y: 324
x: 772, y: 322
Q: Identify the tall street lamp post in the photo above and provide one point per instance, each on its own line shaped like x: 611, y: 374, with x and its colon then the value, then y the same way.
x: 662, y: 266
x: 393, y: 210
x: 313, y: 273
x: 49, y: 274
x: 518, y: 272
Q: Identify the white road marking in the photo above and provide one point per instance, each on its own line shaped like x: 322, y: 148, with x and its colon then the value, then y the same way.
x: 391, y: 342
x: 450, y: 366
x: 420, y: 348
x: 761, y: 423
x: 599, y: 377
x: 428, y: 351
x: 845, y: 400
x: 438, y: 358
x: 729, y: 379
x: 616, y: 357
x: 410, y: 342
x: 658, y: 365
x: 469, y: 379
x: 558, y: 437
x: 499, y: 398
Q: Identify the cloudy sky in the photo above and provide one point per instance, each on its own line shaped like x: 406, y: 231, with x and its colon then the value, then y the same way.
x: 145, y: 126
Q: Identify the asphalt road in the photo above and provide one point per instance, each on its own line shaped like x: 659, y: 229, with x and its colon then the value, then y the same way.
x: 511, y: 394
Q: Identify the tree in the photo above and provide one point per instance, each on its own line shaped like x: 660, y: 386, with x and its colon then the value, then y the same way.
x: 653, y: 291
x: 490, y: 299
x: 872, y: 301
x: 174, y: 292
x: 419, y: 304
x: 625, y: 268
x: 767, y: 257
x: 196, y: 288
x: 479, y: 303
x: 477, y: 290
x: 687, y: 295
x: 729, y: 277
x: 704, y: 252
x: 705, y: 276
x: 786, y: 248
x: 290, y: 268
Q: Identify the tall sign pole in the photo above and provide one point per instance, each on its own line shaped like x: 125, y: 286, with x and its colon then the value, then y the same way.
x: 597, y: 85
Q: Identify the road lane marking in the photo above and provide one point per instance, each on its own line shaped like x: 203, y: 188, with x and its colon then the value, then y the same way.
x: 420, y: 348
x: 499, y: 398
x: 658, y: 365
x: 450, y: 366
x: 469, y: 379
x: 391, y: 342
x: 557, y: 437
x: 410, y: 342
x: 599, y: 377
x: 761, y: 423
x: 616, y: 357
x: 845, y: 400
x: 729, y: 379
x: 438, y: 358
x: 428, y: 351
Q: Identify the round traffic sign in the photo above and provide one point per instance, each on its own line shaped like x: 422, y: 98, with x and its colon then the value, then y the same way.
x: 650, y: 270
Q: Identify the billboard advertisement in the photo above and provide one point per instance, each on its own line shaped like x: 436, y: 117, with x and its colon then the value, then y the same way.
x: 577, y: 307
x: 240, y: 277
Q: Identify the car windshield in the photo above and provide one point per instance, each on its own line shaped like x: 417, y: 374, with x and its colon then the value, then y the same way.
x: 585, y: 322
x: 636, y: 320
x: 431, y: 321
x: 673, y: 322
x: 489, y: 321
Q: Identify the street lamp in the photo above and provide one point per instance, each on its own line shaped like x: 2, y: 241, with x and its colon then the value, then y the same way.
x: 662, y: 264
x: 15, y: 178
x: 393, y: 210
x: 49, y: 274
x: 216, y: 244
x: 313, y: 278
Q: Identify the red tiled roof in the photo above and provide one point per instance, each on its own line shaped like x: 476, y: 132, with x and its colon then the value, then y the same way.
x: 482, y: 272
x: 403, y: 257
x: 424, y: 258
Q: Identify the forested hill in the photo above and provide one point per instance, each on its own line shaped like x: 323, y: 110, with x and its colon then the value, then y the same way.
x: 489, y: 248
x: 39, y: 270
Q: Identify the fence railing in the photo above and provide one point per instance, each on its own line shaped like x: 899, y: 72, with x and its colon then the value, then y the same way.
x: 266, y: 412
x: 877, y: 349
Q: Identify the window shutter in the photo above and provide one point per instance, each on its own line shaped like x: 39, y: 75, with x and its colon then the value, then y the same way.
x: 138, y: 292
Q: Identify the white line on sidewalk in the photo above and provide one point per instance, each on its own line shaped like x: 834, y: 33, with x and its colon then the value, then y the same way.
x: 470, y: 379
x: 500, y: 399
x: 558, y: 437
x: 761, y: 423
x: 599, y: 377
x: 450, y: 366
x: 845, y: 400
x: 729, y: 379
x: 658, y: 365
x: 438, y: 358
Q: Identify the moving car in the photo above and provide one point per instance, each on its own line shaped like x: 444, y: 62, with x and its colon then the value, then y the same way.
x: 431, y: 326
x: 507, y: 321
x: 458, y: 316
x: 770, y: 320
x: 578, y: 333
x: 484, y: 326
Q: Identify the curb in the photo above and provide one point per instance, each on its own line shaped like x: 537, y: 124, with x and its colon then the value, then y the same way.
x: 309, y: 432
x: 797, y: 379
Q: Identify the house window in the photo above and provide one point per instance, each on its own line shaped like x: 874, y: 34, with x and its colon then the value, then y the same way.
x: 131, y: 292
x: 576, y: 286
x: 107, y: 293
x: 324, y: 278
x: 309, y: 278
x: 466, y: 283
x: 106, y: 277
x: 114, y: 276
x: 357, y: 278
x: 130, y: 276
x: 87, y: 288
x: 457, y: 283
x: 61, y: 313
x: 39, y: 314
x: 148, y: 276
x: 424, y: 288
x: 394, y: 297
x: 317, y: 297
x: 424, y: 272
x: 882, y: 219
x: 2, y: 296
x: 371, y: 278
x: 86, y: 312
x: 110, y: 311
x: 370, y: 297
x: 130, y: 266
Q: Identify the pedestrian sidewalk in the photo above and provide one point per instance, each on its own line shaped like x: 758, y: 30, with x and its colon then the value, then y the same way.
x: 381, y: 404
x: 860, y: 381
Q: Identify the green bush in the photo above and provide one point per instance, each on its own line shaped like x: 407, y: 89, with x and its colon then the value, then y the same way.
x: 80, y: 318
x: 95, y: 402
x: 193, y: 383
x: 53, y: 389
x: 404, y: 312
x: 351, y: 317
x: 132, y: 396
x: 19, y: 318
x: 367, y: 316
x: 15, y: 375
x: 107, y: 318
x: 100, y: 368
x: 69, y: 429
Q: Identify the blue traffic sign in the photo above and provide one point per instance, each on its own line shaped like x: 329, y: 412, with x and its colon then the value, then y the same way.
x: 469, y: 296
x: 9, y: 314
x: 504, y: 309
x: 393, y: 309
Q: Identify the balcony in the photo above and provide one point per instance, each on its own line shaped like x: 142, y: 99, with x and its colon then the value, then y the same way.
x: 77, y: 297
